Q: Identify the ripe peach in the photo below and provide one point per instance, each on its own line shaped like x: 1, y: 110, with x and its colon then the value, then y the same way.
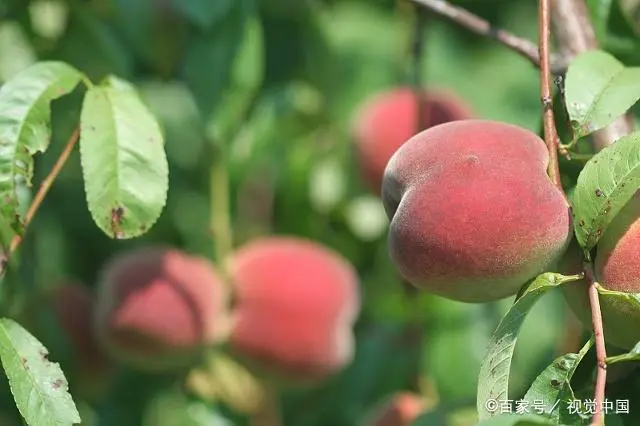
x: 401, y: 410
x: 158, y: 308
x: 617, y: 268
x: 70, y: 306
x: 387, y: 120
x: 473, y: 212
x: 296, y: 303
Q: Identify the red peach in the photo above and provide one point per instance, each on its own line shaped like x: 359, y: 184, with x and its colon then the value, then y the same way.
x: 296, y: 303
x: 387, y: 120
x: 473, y: 213
x: 158, y: 308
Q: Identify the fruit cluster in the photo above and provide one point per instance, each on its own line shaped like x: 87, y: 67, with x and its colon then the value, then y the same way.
x: 157, y: 309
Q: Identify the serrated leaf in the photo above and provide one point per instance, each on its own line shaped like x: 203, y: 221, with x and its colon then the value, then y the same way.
x: 37, y: 384
x: 551, y: 391
x: 204, y: 13
x: 605, y: 184
x: 493, y: 381
x: 599, y: 89
x: 126, y: 174
x: 25, y: 125
x: 516, y: 420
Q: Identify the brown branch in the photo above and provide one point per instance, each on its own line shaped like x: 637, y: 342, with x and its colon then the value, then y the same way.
x: 474, y: 23
x: 601, y: 352
x: 550, y: 132
x: 45, y: 186
x: 575, y: 34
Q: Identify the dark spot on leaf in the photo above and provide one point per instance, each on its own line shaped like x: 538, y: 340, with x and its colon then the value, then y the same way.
x: 581, y: 223
x: 57, y: 383
x: 555, y: 383
x: 24, y: 361
x: 44, y: 355
x: 92, y: 128
x: 562, y: 365
x: 143, y: 228
x: 599, y: 193
x: 117, y: 214
x: 599, y: 233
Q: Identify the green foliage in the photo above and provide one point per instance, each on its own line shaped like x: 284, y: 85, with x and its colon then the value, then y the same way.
x: 516, y: 420
x: 605, y: 185
x: 553, y: 388
x: 599, y: 89
x: 123, y: 160
x: 493, y: 383
x: 275, y: 85
x: 38, y: 385
x: 25, y: 126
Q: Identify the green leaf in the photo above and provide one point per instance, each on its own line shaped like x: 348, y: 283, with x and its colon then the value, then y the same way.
x: 516, y: 420
x: 599, y: 11
x: 245, y: 80
x: 125, y: 168
x: 493, y: 381
x: 25, y: 126
x: 204, y: 13
x: 38, y: 385
x: 607, y: 182
x: 551, y: 391
x: 599, y: 89
x: 210, y: 59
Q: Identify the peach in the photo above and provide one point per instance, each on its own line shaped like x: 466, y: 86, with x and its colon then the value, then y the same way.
x: 617, y: 268
x: 158, y: 308
x: 473, y: 213
x: 296, y: 302
x: 70, y: 306
x: 401, y: 410
x: 387, y: 120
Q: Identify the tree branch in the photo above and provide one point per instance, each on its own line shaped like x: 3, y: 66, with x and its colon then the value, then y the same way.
x: 601, y: 351
x: 550, y: 132
x: 45, y: 186
x: 474, y: 23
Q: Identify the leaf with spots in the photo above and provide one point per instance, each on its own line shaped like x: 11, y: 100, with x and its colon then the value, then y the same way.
x: 126, y: 174
x: 599, y: 89
x: 37, y: 384
x: 551, y: 391
x: 25, y: 126
x: 605, y: 184
x: 513, y: 419
x: 493, y: 381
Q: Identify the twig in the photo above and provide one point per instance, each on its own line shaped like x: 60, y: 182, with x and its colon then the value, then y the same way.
x: 474, y: 23
x: 601, y: 352
x: 550, y: 132
x: 45, y: 186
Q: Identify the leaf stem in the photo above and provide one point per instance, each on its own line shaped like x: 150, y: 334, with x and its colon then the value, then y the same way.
x: 474, y: 23
x: 220, y: 220
x: 550, y: 132
x: 601, y: 352
x: 44, y: 188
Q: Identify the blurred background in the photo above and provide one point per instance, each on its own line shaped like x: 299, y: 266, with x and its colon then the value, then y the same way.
x: 278, y: 82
